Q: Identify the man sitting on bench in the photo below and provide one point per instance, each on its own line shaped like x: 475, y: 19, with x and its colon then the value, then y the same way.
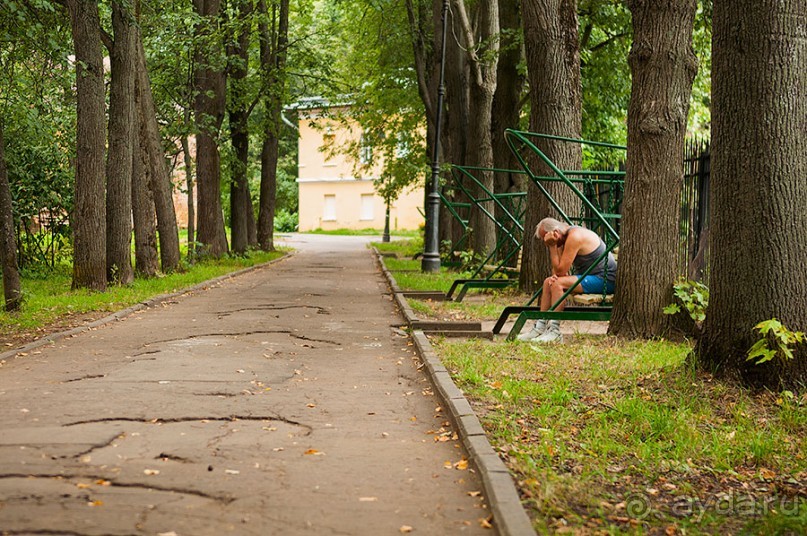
x: 569, y: 246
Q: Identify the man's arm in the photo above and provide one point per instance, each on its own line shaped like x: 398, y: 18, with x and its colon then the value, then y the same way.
x: 563, y: 256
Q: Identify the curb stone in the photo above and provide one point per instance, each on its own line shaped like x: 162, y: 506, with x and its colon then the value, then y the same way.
x: 510, y: 518
x: 123, y: 313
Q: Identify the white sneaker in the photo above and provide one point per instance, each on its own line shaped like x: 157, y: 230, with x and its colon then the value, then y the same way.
x: 537, y: 330
x: 552, y: 334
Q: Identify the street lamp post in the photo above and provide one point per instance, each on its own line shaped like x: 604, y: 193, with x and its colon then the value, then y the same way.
x: 431, y: 250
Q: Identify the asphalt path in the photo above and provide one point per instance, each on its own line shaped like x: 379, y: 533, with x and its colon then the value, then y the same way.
x: 281, y: 401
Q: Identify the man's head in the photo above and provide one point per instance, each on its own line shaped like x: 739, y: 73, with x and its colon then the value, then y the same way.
x: 551, y: 231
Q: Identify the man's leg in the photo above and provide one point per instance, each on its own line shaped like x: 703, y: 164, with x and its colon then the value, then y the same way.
x: 539, y: 327
x: 556, y: 290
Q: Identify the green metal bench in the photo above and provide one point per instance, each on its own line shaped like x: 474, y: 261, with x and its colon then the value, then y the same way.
x: 600, y: 195
x: 507, y: 216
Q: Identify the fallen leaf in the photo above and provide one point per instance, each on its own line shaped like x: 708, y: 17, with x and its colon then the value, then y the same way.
x: 82, y: 485
x: 232, y: 472
x: 486, y: 522
x: 311, y: 405
x: 461, y: 465
x: 278, y: 449
x: 475, y: 493
x: 172, y: 533
x: 313, y: 452
x: 95, y: 503
x: 102, y: 482
x: 368, y: 499
x: 151, y: 472
x: 405, y: 528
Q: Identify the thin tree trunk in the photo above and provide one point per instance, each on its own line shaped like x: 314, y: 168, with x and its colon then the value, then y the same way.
x: 273, y: 63
x: 553, y: 69
x: 12, y: 291
x: 758, y: 221
x: 88, y: 220
x: 663, y: 67
x: 143, y: 211
x: 160, y: 179
x: 122, y: 128
x: 188, y: 157
x: 239, y: 131
x: 210, y: 102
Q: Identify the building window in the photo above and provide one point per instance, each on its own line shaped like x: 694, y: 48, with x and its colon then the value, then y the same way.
x: 367, y: 207
x: 329, y: 208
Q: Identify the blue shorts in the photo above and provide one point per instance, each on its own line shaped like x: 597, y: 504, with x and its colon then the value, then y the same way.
x: 593, y: 284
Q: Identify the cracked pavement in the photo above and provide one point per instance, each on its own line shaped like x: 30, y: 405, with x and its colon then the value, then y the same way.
x: 282, y: 401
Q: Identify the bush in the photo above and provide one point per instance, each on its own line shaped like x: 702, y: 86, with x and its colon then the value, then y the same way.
x: 286, y: 222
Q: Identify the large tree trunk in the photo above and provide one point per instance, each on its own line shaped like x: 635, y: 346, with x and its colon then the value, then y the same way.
x: 210, y: 102
x: 759, y: 164
x: 482, y: 44
x: 12, y: 291
x: 553, y: 69
x: 238, y: 53
x: 122, y: 128
x: 663, y: 66
x: 88, y: 220
x: 160, y: 184
x: 273, y: 63
x: 145, y: 224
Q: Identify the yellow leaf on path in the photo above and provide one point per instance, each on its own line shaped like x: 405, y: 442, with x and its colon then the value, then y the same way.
x: 461, y: 465
x: 368, y: 499
x: 474, y: 493
x: 95, y: 503
x: 102, y: 482
x: 151, y: 472
x: 448, y: 465
x: 82, y: 485
x: 405, y: 528
x: 485, y: 522
x: 313, y: 452
x: 311, y: 405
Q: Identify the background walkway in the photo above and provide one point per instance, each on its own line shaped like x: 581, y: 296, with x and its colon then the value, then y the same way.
x: 282, y: 401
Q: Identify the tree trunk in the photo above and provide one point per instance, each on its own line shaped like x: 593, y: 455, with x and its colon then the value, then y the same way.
x: 210, y: 102
x: 273, y: 63
x: 758, y: 222
x: 482, y: 44
x: 238, y: 54
x: 160, y: 182
x: 143, y: 211
x: 553, y: 69
x: 506, y: 111
x: 12, y: 291
x: 89, y: 213
x: 122, y: 128
x: 663, y: 66
x: 188, y: 157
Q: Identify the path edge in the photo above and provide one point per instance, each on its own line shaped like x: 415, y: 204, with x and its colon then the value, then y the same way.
x: 509, y: 516
x: 123, y: 313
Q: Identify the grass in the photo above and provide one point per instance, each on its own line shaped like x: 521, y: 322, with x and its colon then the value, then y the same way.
x: 50, y: 304
x: 365, y: 232
x: 605, y: 436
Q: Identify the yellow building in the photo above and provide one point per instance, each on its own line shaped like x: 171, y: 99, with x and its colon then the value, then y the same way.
x: 331, y: 195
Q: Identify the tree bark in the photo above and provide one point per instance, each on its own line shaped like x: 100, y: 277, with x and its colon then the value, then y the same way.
x: 122, y: 128
x: 482, y: 44
x: 143, y: 211
x: 210, y: 82
x: 273, y: 63
x: 12, y: 290
x: 758, y: 222
x: 238, y: 54
x: 160, y: 182
x: 663, y: 67
x: 89, y: 212
x: 553, y: 69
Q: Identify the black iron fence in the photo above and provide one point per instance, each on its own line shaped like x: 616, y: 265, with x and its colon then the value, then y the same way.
x: 693, y: 254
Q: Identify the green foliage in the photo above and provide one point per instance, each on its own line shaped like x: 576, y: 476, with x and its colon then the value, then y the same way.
x: 285, y: 221
x: 775, y: 342
x: 693, y: 296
